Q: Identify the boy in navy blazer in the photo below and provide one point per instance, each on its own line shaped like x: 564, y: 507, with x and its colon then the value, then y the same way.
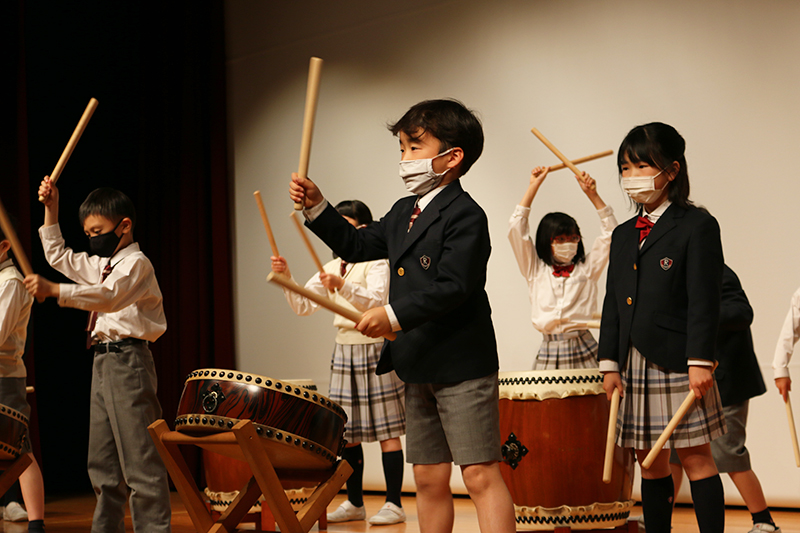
x: 437, y: 243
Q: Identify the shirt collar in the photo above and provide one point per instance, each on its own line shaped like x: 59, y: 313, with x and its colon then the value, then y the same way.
x: 7, y: 263
x: 125, y: 252
x: 658, y: 211
x: 423, y: 201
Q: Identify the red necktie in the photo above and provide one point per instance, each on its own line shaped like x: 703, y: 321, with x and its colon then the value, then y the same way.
x: 644, y: 225
x: 414, y: 214
x: 343, y: 269
x: 93, y: 315
x: 563, y: 271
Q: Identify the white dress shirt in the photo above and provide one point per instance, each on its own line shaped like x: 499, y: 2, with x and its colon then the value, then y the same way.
x: 790, y: 333
x: 15, y: 310
x: 560, y: 304
x: 128, y: 302
x: 366, y: 285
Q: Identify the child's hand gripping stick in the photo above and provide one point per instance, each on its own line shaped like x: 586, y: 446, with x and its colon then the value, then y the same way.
x: 792, y: 431
x: 558, y: 153
x: 608, y: 463
x: 16, y: 246
x: 73, y: 141
x: 349, y: 314
x: 673, y: 423
x: 312, y: 94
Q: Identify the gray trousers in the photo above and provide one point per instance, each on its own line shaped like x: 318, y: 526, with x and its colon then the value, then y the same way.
x: 122, y: 455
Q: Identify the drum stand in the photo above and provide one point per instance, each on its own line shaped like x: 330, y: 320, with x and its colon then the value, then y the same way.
x: 244, y: 443
x: 12, y: 470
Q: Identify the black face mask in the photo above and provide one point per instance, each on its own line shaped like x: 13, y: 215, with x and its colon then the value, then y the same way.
x: 105, y: 244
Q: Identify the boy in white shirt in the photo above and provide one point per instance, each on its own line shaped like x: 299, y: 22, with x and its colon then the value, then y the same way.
x: 117, y: 284
x: 15, y: 311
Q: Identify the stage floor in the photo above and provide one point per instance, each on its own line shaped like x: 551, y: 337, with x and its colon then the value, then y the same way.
x: 73, y: 514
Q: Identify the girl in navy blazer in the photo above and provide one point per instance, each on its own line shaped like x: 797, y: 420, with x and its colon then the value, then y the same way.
x: 659, y: 325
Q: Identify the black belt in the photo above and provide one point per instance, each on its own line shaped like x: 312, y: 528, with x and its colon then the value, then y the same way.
x: 115, y: 347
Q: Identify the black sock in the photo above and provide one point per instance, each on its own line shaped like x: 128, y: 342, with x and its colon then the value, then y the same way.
x: 393, y: 472
x: 657, y: 496
x: 355, y: 456
x: 762, y: 517
x: 709, y: 504
x: 37, y: 526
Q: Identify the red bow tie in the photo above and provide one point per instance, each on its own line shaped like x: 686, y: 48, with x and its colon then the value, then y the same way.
x: 644, y: 225
x: 563, y: 271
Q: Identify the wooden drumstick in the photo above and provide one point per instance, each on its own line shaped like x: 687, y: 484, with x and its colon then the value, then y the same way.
x: 580, y: 160
x: 312, y: 94
x: 16, y: 246
x: 558, y: 153
x: 608, y: 464
x: 792, y: 430
x: 267, y: 227
x: 673, y: 423
x: 76, y: 135
x: 349, y: 314
x: 308, y: 243
x: 29, y: 389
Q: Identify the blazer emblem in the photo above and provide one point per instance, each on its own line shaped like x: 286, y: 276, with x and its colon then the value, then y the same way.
x: 425, y: 261
x: 666, y: 263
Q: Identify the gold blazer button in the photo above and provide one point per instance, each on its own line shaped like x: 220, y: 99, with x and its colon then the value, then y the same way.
x: 401, y: 272
x: 629, y: 300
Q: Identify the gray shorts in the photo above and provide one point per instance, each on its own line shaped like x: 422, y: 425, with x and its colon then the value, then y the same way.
x: 729, y: 450
x: 14, y: 395
x: 453, y: 422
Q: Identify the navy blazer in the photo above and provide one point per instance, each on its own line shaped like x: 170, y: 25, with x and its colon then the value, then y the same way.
x: 738, y: 375
x: 438, y: 275
x: 664, y: 299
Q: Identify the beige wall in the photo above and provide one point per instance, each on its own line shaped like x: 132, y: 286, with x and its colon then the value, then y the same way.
x: 724, y: 73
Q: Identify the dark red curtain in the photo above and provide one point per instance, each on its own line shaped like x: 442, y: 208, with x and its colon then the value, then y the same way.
x: 159, y: 135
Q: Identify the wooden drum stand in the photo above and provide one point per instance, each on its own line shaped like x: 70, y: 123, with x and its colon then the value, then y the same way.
x: 243, y: 443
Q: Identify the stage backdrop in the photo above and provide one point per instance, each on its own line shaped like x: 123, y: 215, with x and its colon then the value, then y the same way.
x: 723, y: 72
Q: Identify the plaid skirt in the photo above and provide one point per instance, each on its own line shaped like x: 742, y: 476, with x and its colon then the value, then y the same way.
x: 652, y: 396
x: 575, y: 349
x: 375, y: 405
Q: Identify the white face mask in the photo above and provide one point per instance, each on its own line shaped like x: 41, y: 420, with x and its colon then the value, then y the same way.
x: 418, y: 175
x: 642, y: 189
x: 563, y: 252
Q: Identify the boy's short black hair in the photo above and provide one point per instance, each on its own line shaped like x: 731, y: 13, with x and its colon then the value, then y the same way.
x: 551, y: 225
x: 109, y: 203
x: 355, y: 209
x: 449, y: 121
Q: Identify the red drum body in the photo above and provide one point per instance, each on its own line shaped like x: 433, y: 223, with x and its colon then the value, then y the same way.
x: 13, y: 428
x: 300, y: 428
x: 554, y: 425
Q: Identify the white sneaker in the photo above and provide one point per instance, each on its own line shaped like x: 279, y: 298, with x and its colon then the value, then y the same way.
x: 762, y: 527
x: 389, y: 514
x: 14, y: 512
x: 347, y: 512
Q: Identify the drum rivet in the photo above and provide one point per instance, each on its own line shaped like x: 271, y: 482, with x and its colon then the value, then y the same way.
x: 259, y: 430
x: 297, y: 442
x: 230, y: 375
x: 305, y: 395
x: 211, y: 421
x: 213, y: 373
x: 269, y: 433
x: 311, y: 447
x: 268, y: 383
x: 328, y: 403
x: 206, y: 373
x: 221, y: 422
x: 239, y: 376
x: 258, y: 381
x: 230, y: 424
x: 289, y: 439
x: 314, y: 397
x: 278, y: 386
x: 205, y: 420
x: 279, y: 435
x: 305, y: 444
x: 248, y: 379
